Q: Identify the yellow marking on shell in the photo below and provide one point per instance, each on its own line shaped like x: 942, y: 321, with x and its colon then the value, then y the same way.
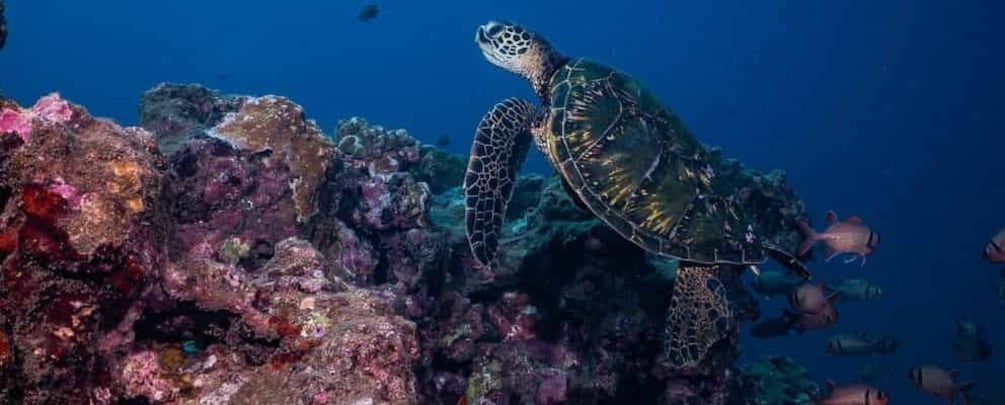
x: 658, y: 219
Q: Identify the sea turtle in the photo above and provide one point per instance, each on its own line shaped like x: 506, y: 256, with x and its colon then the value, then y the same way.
x: 631, y: 162
x: 621, y: 155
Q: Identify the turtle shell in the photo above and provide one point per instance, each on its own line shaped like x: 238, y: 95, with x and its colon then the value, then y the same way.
x: 635, y: 165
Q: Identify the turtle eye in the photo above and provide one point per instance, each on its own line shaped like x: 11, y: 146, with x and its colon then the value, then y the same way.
x: 495, y: 29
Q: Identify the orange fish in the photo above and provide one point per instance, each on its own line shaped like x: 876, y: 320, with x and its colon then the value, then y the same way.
x: 854, y: 394
x: 939, y: 382
x: 848, y: 236
x: 994, y: 251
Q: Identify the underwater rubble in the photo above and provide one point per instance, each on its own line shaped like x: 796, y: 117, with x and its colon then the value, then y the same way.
x: 227, y: 250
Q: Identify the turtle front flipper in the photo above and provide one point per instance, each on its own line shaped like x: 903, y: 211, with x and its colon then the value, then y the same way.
x: 499, y: 150
x: 789, y: 261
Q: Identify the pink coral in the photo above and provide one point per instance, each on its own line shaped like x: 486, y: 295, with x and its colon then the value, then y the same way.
x: 141, y: 375
x: 50, y: 108
x: 16, y: 122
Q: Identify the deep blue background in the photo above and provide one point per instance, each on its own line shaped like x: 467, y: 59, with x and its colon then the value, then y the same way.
x: 889, y: 110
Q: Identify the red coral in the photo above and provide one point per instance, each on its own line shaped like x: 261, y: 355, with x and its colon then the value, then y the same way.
x: 284, y: 327
x: 4, y: 349
x: 42, y: 203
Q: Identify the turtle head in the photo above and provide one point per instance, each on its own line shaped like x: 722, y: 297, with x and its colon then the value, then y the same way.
x: 519, y: 50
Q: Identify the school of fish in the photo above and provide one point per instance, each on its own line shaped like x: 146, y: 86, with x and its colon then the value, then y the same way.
x: 813, y: 307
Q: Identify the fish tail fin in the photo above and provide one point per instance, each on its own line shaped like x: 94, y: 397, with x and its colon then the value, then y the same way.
x: 809, y: 237
x: 791, y: 319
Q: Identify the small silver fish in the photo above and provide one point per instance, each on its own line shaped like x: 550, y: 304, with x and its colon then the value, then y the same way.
x: 939, y: 382
x: 858, y: 290
x: 853, y: 394
x: 771, y: 283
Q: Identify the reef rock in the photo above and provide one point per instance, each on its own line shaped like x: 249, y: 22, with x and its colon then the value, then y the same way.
x: 81, y: 239
x: 276, y: 128
x: 179, y: 112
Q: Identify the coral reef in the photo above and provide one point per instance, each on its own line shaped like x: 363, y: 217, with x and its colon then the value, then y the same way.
x: 128, y: 274
x: 230, y: 252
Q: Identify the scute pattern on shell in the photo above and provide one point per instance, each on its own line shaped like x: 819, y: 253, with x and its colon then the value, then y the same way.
x: 639, y: 169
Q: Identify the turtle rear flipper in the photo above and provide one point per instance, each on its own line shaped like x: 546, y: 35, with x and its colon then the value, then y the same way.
x: 499, y: 150
x: 699, y: 316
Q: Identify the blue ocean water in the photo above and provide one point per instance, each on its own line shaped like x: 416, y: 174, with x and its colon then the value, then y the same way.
x: 887, y: 110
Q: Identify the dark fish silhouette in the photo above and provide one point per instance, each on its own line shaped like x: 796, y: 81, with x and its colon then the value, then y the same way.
x: 771, y: 327
x: 970, y: 343
x: 443, y: 141
x: 369, y: 12
x: 3, y: 26
x: 861, y: 344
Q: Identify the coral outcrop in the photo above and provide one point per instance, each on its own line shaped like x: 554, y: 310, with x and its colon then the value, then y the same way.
x: 81, y: 238
x: 129, y: 274
x: 231, y: 252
